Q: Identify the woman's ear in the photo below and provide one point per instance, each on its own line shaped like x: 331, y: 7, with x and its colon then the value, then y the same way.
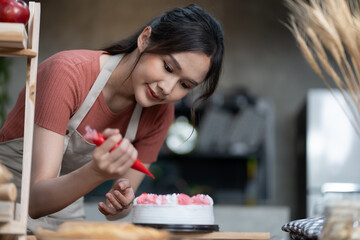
x: 144, y: 38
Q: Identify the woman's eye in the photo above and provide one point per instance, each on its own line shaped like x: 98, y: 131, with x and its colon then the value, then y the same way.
x: 167, y: 68
x: 184, y: 85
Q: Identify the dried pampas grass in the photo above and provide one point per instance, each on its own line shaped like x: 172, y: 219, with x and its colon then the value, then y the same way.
x: 328, y: 34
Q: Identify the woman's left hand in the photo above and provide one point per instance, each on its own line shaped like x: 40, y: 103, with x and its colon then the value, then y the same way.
x: 119, y: 198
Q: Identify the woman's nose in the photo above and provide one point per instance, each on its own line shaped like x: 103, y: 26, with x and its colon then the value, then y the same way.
x: 166, y: 86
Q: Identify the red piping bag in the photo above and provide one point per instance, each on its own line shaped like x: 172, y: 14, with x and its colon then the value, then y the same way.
x: 98, y: 139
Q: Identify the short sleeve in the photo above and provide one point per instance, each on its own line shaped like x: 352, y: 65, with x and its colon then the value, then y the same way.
x: 57, y: 97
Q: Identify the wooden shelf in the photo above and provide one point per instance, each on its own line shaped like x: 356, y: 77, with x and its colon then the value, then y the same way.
x: 15, y: 41
x: 12, y: 52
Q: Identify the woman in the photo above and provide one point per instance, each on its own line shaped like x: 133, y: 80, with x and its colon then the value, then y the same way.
x: 126, y: 92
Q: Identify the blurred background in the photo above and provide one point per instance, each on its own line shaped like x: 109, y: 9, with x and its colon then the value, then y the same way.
x: 250, y: 147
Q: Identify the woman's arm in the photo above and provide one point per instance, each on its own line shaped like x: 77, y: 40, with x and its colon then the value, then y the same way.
x: 49, y: 193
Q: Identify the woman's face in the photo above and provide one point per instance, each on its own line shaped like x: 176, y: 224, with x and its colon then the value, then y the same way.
x: 159, y: 79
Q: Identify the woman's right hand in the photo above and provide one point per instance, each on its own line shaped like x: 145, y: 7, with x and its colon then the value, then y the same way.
x: 113, y: 164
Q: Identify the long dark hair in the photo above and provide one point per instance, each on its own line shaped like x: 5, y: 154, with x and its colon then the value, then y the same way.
x: 183, y: 29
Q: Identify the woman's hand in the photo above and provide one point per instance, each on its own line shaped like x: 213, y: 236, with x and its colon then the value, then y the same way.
x: 114, y: 163
x: 119, y: 198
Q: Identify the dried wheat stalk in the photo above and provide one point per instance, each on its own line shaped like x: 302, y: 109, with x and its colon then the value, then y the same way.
x: 324, y: 28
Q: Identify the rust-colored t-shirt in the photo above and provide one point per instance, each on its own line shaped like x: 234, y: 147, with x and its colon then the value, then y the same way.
x: 63, y: 83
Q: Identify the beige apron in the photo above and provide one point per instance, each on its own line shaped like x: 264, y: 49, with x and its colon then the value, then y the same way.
x: 77, y: 152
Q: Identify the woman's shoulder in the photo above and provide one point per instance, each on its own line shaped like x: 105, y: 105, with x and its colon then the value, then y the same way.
x: 75, y: 56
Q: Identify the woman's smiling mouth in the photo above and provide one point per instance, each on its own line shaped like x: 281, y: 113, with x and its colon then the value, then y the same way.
x: 151, y: 93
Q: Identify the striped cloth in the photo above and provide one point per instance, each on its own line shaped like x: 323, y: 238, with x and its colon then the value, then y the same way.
x: 304, y: 229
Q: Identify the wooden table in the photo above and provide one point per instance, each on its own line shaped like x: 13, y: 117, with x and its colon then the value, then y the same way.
x: 213, y: 235
x: 49, y: 235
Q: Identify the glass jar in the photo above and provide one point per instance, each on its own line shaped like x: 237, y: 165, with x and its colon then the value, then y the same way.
x: 342, y: 220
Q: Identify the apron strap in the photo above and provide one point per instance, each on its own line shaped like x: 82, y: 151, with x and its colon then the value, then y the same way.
x: 134, y: 123
x: 93, y: 94
x: 95, y: 91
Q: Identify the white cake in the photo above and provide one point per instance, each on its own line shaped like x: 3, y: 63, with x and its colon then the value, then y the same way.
x: 173, y: 209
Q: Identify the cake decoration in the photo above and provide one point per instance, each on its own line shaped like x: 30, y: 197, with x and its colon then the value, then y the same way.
x: 173, y: 199
x: 176, y: 208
